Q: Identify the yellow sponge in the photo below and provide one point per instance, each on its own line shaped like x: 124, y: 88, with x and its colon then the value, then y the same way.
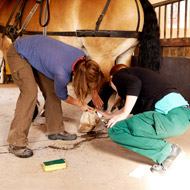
x: 54, y: 165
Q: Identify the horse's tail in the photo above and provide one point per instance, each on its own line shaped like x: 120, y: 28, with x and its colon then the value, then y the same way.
x: 149, y: 39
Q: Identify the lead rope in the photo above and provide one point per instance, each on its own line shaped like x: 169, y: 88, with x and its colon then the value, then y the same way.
x: 48, y: 15
x: 45, y: 18
x: 33, y: 10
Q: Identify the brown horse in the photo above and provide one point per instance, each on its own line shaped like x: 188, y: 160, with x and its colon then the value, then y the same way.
x: 136, y: 18
x: 72, y: 15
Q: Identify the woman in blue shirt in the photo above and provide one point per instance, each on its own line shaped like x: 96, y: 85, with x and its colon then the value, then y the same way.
x: 50, y: 63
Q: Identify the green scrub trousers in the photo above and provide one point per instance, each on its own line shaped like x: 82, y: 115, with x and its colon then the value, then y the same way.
x: 144, y: 133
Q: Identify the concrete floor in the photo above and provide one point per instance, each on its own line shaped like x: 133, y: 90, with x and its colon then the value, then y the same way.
x: 93, y: 161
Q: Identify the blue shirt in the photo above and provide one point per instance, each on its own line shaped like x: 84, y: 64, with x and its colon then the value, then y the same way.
x: 51, y: 57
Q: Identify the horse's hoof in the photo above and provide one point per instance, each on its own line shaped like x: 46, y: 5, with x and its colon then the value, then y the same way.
x: 84, y: 128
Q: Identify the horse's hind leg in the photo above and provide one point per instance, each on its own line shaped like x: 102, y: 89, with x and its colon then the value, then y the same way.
x: 125, y: 57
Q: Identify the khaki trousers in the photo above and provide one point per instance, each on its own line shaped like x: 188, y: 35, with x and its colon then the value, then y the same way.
x: 25, y: 78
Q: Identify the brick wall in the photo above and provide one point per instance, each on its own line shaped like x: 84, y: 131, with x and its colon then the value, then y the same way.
x: 175, y: 47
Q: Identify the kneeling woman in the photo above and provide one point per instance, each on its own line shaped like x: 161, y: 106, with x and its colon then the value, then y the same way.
x: 159, y: 111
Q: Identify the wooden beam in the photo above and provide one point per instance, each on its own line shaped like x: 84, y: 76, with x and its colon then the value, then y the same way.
x: 175, y: 42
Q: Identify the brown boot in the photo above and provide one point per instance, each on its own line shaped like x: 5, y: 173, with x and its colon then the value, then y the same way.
x: 63, y: 136
x: 21, y: 152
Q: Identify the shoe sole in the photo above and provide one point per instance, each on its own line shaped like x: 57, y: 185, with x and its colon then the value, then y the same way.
x: 158, y: 169
x: 61, y: 138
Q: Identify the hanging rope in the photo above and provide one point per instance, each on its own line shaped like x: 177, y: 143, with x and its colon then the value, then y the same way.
x: 45, y: 19
x: 41, y: 10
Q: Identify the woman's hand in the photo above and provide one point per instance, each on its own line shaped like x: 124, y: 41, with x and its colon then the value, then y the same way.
x: 105, y: 115
x: 115, y: 119
x: 82, y: 105
x: 97, y: 101
x: 85, y: 107
x: 121, y: 114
